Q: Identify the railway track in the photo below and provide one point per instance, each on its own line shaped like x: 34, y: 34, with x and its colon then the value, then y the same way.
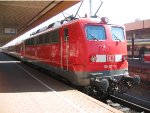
x: 145, y: 84
x: 124, y: 105
x: 133, y: 101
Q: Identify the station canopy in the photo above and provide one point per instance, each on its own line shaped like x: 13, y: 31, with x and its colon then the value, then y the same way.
x: 18, y: 17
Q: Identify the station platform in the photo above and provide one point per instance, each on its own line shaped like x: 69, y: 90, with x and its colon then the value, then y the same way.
x: 27, y: 90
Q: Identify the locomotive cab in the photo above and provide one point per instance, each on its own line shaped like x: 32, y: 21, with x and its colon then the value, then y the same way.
x: 106, y: 54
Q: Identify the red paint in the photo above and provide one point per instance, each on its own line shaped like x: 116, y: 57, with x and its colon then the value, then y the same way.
x: 147, y: 57
x: 79, y: 49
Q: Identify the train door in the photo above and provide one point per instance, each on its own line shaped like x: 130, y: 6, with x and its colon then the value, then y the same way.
x: 65, y: 49
x: 22, y: 49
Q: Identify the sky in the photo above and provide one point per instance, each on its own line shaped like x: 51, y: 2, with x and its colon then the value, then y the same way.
x: 118, y: 12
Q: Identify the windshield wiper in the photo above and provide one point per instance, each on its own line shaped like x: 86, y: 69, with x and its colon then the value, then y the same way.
x: 94, y: 38
x: 116, y: 37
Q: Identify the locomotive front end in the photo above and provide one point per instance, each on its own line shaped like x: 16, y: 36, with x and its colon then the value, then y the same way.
x: 113, y: 84
x: 107, y: 53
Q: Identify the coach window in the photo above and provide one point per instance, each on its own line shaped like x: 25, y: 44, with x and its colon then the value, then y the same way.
x: 66, y: 34
x: 32, y: 41
x: 50, y: 37
x: 37, y: 40
x: 26, y: 42
x: 46, y: 38
x: 55, y: 36
x: 29, y: 41
x: 40, y: 39
x: 43, y: 39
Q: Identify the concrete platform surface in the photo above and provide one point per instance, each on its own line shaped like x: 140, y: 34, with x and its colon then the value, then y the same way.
x: 26, y: 90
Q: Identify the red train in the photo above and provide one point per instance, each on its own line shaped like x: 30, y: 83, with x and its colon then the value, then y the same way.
x: 86, y: 52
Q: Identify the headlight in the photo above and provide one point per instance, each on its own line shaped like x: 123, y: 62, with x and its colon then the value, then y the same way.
x: 93, y: 58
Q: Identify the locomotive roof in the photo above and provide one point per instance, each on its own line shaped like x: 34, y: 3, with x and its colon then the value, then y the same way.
x: 80, y: 20
x: 90, y: 21
x: 83, y: 20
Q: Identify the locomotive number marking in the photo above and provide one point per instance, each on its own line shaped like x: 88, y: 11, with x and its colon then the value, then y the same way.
x: 109, y: 66
x: 110, y: 58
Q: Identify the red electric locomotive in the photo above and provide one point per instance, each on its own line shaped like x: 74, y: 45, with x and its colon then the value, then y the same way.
x: 86, y: 52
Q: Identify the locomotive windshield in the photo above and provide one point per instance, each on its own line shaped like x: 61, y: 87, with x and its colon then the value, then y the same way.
x: 117, y: 33
x: 95, y: 33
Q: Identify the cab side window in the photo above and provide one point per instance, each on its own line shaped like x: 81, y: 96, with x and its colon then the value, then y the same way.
x: 66, y: 34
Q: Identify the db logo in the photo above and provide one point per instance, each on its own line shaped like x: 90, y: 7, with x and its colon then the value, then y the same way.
x: 110, y: 58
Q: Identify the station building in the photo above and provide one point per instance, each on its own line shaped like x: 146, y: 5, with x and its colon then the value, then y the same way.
x: 138, y: 36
